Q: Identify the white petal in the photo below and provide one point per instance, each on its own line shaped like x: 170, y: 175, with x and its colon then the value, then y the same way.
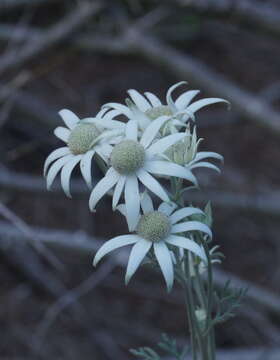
x: 104, y: 151
x: 184, y: 99
x: 163, y: 144
x: 54, y: 169
x: 165, y: 262
x: 122, y: 209
x: 114, y: 244
x: 191, y: 226
x: 55, y: 155
x: 62, y: 133
x: 169, y: 99
x: 205, y: 164
x: 142, y: 119
x: 69, y: 118
x: 169, y: 169
x: 183, y: 213
x: 167, y: 208
x: 118, y: 191
x: 85, y: 167
x: 101, y: 112
x: 101, y: 188
x: 197, y: 105
x: 152, y: 130
x: 187, y: 244
x: 208, y: 154
x: 132, y: 201
x: 66, y: 174
x: 152, y: 184
x: 131, y: 130
x: 154, y: 100
x: 111, y: 114
x: 121, y: 108
x: 138, y: 252
x: 139, y: 100
x: 109, y: 124
x: 146, y: 203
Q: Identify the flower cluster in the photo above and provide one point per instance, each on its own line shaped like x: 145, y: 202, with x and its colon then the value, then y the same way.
x: 157, y: 142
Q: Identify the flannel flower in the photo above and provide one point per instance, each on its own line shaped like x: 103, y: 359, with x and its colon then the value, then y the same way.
x: 145, y: 109
x: 132, y: 160
x: 186, y: 153
x: 84, y: 139
x: 161, y: 230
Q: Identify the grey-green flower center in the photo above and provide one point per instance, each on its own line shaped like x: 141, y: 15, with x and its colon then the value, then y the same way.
x: 127, y: 157
x: 81, y: 138
x: 158, y: 111
x: 154, y: 226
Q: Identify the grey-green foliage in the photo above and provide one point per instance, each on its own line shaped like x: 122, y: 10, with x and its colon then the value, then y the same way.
x: 227, y: 302
x: 167, y: 345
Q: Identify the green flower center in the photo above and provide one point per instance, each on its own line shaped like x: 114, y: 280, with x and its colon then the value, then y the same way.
x: 158, y: 111
x: 127, y: 157
x: 81, y: 138
x: 154, y: 226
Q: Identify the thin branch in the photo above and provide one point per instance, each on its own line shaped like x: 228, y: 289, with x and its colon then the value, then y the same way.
x: 10, y: 5
x: 29, y: 235
x: 51, y: 37
x: 254, y: 13
x: 81, y: 244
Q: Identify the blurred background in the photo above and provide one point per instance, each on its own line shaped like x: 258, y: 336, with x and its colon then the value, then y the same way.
x: 80, y: 54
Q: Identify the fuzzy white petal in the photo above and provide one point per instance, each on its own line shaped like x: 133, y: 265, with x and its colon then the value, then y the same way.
x: 169, y: 99
x: 55, y: 155
x: 154, y: 100
x: 121, y: 108
x: 152, y: 130
x: 165, y: 262
x: 163, y: 144
x: 146, y: 203
x: 138, y: 252
x: 152, y: 184
x: 197, y: 105
x: 131, y: 130
x: 142, y: 119
x: 139, y: 100
x: 102, y: 187
x: 191, y: 226
x: 205, y: 164
x: 104, y: 151
x: 183, y: 213
x: 66, y: 174
x: 118, y: 191
x: 55, y: 168
x: 132, y: 201
x: 70, y: 119
x: 122, y: 209
x: 114, y: 244
x: 111, y: 114
x: 167, y: 208
x: 85, y: 167
x: 62, y: 133
x: 184, y: 99
x: 201, y: 155
x: 159, y: 167
x: 187, y: 244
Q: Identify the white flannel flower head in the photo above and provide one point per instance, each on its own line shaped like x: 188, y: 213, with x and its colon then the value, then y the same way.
x: 186, y: 153
x: 84, y: 138
x: 159, y: 230
x: 145, y: 109
x: 133, y: 161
